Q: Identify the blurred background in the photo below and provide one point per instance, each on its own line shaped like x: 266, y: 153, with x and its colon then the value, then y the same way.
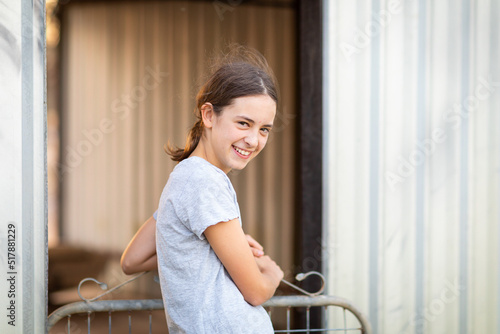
x: 122, y: 81
x: 402, y: 213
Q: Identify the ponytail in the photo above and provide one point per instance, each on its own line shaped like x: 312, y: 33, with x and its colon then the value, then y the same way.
x: 194, y: 136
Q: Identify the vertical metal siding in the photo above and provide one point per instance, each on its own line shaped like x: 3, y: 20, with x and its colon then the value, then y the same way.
x: 108, y: 50
x: 464, y: 169
x: 374, y: 172
x: 413, y: 223
x: 494, y: 200
x: 23, y: 166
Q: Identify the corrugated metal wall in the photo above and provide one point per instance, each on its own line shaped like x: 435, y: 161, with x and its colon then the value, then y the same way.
x: 130, y: 76
x: 412, y: 161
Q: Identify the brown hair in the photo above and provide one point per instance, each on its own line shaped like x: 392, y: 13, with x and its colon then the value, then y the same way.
x: 242, y: 71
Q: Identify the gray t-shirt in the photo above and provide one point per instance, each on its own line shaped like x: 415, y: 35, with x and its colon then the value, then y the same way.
x: 198, y: 293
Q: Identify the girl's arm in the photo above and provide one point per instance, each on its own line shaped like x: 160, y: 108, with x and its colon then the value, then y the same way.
x: 256, y: 278
x: 140, y: 254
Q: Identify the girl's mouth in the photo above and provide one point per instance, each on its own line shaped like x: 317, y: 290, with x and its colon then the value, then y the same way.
x: 242, y: 153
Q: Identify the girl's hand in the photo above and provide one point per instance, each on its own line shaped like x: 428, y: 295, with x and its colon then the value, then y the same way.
x: 270, y: 269
x: 256, y: 277
x: 256, y: 248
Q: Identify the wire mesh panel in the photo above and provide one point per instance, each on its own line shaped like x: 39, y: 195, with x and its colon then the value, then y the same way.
x: 281, y: 310
x: 349, y: 323
x: 112, y: 321
x: 353, y: 320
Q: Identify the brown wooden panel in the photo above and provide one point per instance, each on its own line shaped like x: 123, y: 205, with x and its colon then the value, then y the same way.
x: 109, y: 48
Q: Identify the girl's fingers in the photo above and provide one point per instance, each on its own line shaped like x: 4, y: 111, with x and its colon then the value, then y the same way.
x: 256, y: 252
x: 253, y: 243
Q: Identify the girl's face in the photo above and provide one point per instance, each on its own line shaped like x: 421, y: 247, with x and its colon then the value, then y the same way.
x: 241, y: 131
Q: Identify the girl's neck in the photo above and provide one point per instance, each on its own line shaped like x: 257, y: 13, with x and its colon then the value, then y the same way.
x: 203, y: 151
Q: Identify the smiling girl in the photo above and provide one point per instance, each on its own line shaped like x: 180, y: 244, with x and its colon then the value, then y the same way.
x: 210, y: 280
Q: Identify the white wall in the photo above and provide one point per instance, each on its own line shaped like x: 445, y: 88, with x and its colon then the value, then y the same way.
x: 411, y: 162
x: 23, y: 182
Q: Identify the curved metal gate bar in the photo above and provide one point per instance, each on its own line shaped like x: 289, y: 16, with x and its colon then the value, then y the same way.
x: 157, y: 304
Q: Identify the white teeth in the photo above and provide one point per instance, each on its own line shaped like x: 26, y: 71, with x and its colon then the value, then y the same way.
x: 240, y: 151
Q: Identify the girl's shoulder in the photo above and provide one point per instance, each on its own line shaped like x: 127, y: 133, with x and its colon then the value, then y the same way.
x: 196, y: 172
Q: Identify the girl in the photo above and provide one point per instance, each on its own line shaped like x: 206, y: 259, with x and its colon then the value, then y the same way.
x: 210, y: 280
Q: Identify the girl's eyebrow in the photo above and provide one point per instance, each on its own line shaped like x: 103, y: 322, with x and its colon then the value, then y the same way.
x: 249, y: 120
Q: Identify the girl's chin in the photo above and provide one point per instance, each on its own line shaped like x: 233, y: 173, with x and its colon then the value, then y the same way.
x: 239, y: 165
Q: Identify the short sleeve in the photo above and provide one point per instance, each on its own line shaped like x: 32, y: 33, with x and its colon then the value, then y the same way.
x: 208, y: 202
x: 155, y: 215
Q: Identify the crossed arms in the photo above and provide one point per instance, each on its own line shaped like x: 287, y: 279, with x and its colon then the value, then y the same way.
x: 256, y: 275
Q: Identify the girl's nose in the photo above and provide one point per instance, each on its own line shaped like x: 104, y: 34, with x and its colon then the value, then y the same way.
x: 251, y: 140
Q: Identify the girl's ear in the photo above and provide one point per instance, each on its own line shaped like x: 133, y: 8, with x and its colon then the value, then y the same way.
x: 207, y: 114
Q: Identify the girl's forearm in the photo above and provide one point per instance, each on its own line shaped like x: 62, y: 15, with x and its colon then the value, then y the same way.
x: 232, y: 248
x: 140, y: 254
x: 133, y: 267
x: 268, y: 289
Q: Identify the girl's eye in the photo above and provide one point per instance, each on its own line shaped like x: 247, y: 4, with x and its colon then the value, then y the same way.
x: 243, y: 123
x: 265, y: 130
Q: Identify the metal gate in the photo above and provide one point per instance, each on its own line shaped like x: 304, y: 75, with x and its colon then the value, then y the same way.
x: 286, y: 302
